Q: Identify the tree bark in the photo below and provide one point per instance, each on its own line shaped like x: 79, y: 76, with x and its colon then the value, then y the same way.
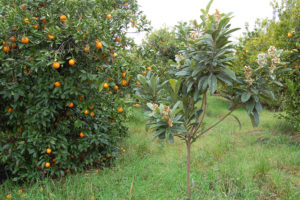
x: 188, y: 166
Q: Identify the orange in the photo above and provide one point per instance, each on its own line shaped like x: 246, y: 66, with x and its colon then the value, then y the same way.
x: 82, y: 134
x: 116, y: 88
x: 99, y: 45
x: 105, y: 85
x: 50, y: 36
x: 72, y: 62
x: 63, y: 17
x: 144, y: 73
x: 84, y: 36
x: 242, y: 58
x: 108, y: 155
x: 80, y: 98
x: 56, y: 124
x: 68, y: 171
x: 6, y: 48
x: 47, y: 164
x: 138, y: 83
x: 48, y: 151
x: 86, y: 49
x: 149, y: 68
x: 115, y: 55
x: 286, y: 66
x: 86, y: 112
x: 165, y: 73
x: 290, y: 35
x: 31, y: 59
x: 26, y: 20
x: 151, y: 46
x: 35, y: 26
x: 91, y: 107
x: 57, y: 84
x: 23, y: 6
x: 108, y: 16
x: 92, y: 114
x: 124, y: 150
x: 118, y: 39
x: 56, y: 65
x: 126, y: 4
x: 124, y: 83
x: 72, y: 156
x: 109, y: 79
x: 10, y: 110
x: 131, y: 20
x: 137, y: 105
x: 45, y: 21
x: 13, y: 39
x: 124, y: 74
x: 120, y: 110
x: 71, y: 105
x: 54, y: 161
x: 14, y: 45
x: 103, y: 55
x: 68, y: 114
x: 25, y: 40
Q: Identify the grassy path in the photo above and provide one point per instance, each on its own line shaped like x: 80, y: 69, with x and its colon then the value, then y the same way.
x: 228, y: 163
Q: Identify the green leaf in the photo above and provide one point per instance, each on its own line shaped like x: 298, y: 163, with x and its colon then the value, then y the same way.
x: 229, y: 73
x: 213, y: 83
x: 237, y: 119
x: 245, y: 97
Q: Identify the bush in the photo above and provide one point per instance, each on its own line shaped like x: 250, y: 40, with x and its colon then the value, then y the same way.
x: 58, y: 111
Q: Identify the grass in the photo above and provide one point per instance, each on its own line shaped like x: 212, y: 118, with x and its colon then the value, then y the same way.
x: 227, y: 163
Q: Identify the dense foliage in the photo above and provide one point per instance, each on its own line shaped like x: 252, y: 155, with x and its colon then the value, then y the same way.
x: 63, y: 72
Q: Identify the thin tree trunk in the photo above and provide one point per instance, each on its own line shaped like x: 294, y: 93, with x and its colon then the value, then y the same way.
x: 188, y: 166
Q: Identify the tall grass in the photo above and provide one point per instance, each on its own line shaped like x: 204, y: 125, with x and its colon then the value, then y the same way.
x: 227, y: 163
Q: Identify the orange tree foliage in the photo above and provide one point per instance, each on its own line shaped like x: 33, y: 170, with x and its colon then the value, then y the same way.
x: 56, y: 55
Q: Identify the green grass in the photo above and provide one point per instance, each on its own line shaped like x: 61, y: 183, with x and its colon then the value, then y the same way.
x: 227, y: 163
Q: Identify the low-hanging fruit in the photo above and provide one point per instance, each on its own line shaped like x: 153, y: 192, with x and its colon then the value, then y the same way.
x: 115, y: 55
x: 120, y: 110
x: 290, y: 35
x: 92, y: 114
x: 50, y: 36
x: 48, y: 150
x: 86, y: 112
x: 72, y: 62
x: 71, y: 105
x: 63, y: 17
x: 105, y: 85
x: 13, y: 39
x: 116, y: 88
x: 81, y: 134
x: 10, y: 110
x: 108, y: 16
x: 124, y: 83
x: 25, y: 40
x: 57, y: 84
x: 47, y: 164
x: 56, y: 65
x: 138, y: 83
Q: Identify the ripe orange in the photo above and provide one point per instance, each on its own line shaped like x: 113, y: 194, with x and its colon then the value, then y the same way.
x: 47, y: 164
x: 57, y: 84
x: 25, y: 40
x: 126, y: 4
x: 138, y: 83
x: 123, y: 150
x: 124, y: 74
x: 137, y: 105
x: 286, y: 66
x: 48, y: 150
x: 50, y: 36
x: 82, y: 134
x: 149, y: 68
x: 68, y: 171
x: 31, y: 59
x: 71, y: 105
x: 10, y: 110
x: 26, y: 20
x: 120, y: 110
x: 72, y: 62
x: 165, y: 73
x: 109, y: 79
x: 108, y: 156
x: 98, y: 45
x: 91, y: 107
x: 54, y: 161
x: 108, y: 16
x: 6, y: 49
x: 23, y: 6
x: 151, y: 46
x: 124, y: 83
x: 80, y: 98
x: 63, y: 17
x: 144, y: 73
x: 86, y: 112
x: 35, y: 26
x: 92, y: 114
x: 242, y: 58
x: 290, y: 35
x: 13, y: 39
x: 105, y: 85
x: 56, y: 65
x: 131, y: 20
x: 118, y: 39
x: 115, y: 55
x: 68, y: 114
x: 116, y: 88
x: 86, y: 49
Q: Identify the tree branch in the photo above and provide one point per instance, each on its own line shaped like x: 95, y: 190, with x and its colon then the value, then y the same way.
x: 215, y: 124
x: 203, y: 108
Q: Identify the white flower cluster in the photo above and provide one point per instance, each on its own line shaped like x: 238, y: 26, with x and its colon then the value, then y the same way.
x: 261, y: 60
x: 248, y: 74
x: 166, y: 113
x: 275, y: 58
x: 178, y: 58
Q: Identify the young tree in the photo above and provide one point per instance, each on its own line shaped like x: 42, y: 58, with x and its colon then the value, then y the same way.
x: 202, y: 69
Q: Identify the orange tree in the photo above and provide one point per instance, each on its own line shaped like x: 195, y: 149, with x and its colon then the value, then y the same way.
x: 62, y: 77
x: 203, y: 68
